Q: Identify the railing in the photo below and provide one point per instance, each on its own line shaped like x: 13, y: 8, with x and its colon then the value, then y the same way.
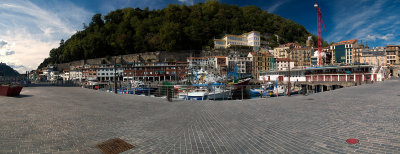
x: 201, y: 93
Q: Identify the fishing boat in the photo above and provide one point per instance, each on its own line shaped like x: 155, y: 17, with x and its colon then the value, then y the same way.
x: 262, y: 90
x: 198, y: 94
x: 218, y: 91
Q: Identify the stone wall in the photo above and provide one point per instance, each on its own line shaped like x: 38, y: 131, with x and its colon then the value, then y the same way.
x: 159, y: 56
x: 147, y: 57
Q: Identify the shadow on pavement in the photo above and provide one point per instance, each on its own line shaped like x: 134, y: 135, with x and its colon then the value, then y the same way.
x: 21, y: 96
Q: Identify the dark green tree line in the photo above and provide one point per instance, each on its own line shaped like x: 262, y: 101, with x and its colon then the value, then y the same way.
x: 174, y: 28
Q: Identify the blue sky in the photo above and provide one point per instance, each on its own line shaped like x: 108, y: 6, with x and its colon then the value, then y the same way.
x: 30, y: 28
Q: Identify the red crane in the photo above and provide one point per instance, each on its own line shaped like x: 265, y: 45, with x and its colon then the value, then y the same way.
x: 319, y: 33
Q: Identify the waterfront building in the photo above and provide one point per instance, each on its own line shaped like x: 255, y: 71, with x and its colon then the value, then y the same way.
x: 250, y: 39
x: 159, y: 71
x: 239, y: 64
x: 197, y: 63
x: 89, y: 72
x: 262, y: 62
x: 361, y: 73
x: 283, y: 64
x: 392, y: 54
x: 105, y: 72
x: 343, y: 51
x: 76, y: 74
x: 301, y: 57
x: 376, y: 58
x: 217, y: 64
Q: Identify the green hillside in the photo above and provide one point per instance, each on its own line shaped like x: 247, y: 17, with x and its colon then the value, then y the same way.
x: 6, y: 70
x: 174, y: 28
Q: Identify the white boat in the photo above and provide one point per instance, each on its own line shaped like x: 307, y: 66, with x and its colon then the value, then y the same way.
x: 218, y: 92
x: 198, y: 94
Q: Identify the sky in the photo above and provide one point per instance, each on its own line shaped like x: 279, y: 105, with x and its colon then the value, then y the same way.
x: 29, y: 29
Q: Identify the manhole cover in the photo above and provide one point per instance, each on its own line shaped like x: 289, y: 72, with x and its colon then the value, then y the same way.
x: 352, y: 141
x: 114, y: 146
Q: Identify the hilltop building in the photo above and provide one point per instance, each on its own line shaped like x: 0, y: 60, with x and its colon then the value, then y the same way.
x: 250, y: 39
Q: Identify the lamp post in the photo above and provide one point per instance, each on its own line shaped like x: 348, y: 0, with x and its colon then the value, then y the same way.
x: 289, y: 84
x: 115, y: 76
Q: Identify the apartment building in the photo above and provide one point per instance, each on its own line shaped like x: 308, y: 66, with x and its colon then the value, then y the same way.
x: 343, y: 51
x: 392, y: 54
x: 301, y: 56
x: 376, y: 58
x: 262, y: 62
x: 283, y: 64
x: 283, y: 50
x: 241, y: 64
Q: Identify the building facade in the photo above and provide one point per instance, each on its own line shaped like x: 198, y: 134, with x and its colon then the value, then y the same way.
x: 376, y: 58
x: 240, y: 64
x: 283, y: 64
x: 392, y: 54
x: 262, y: 62
x: 250, y: 39
x: 301, y: 57
x: 282, y: 50
x: 343, y: 51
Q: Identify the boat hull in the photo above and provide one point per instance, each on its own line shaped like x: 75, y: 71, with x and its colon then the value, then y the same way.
x: 198, y: 98
x: 219, y: 95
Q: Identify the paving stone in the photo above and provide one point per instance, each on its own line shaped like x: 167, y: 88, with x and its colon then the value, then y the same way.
x: 74, y: 120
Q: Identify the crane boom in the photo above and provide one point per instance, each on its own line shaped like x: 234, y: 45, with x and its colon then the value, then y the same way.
x: 319, y: 33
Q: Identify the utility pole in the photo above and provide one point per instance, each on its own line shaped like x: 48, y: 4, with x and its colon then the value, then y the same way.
x: 115, y: 71
x: 289, y: 84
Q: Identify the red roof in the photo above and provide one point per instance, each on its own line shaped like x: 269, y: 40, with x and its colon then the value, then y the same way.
x: 346, y: 42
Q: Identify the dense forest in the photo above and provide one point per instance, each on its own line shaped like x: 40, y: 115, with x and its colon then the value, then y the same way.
x: 174, y: 28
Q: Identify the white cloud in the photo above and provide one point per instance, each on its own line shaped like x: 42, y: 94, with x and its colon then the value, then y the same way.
x: 274, y: 7
x: 373, y: 21
x: 30, y: 30
x: 386, y: 37
x: 190, y: 2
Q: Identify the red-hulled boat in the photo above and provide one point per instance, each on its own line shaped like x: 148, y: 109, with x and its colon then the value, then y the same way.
x: 7, y: 90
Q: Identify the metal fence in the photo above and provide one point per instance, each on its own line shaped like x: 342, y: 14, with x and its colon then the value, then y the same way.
x: 201, y: 93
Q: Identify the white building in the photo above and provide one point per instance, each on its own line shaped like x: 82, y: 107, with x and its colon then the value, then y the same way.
x: 106, y: 72
x: 282, y: 64
x: 242, y: 64
x: 250, y: 39
x: 75, y: 75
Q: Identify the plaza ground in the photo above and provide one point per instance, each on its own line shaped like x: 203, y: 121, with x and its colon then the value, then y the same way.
x: 75, y: 120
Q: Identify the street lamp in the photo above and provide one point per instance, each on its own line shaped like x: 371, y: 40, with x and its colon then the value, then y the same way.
x: 289, y: 84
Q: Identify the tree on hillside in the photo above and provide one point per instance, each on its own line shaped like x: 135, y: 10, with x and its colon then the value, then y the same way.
x: 174, y: 28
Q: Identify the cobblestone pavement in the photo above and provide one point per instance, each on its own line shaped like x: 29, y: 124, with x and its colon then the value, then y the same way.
x: 74, y: 120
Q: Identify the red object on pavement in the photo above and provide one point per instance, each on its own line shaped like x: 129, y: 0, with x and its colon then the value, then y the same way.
x: 352, y: 141
x: 6, y: 90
